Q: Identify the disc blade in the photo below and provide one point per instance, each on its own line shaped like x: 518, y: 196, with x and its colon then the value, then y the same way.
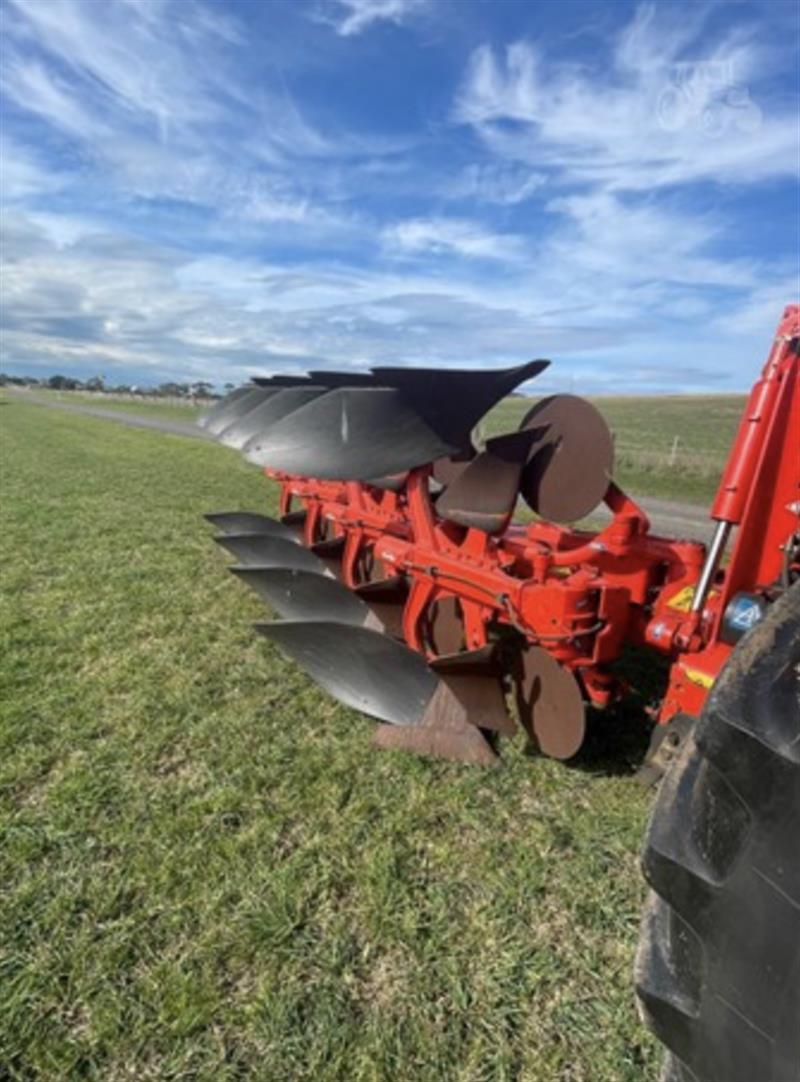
x: 483, y: 495
x: 249, y: 522
x: 304, y: 595
x: 258, y: 550
x: 223, y: 404
x: 550, y: 704
x: 568, y: 475
x: 238, y: 408
x: 349, y: 434
x: 279, y: 404
x: 361, y: 668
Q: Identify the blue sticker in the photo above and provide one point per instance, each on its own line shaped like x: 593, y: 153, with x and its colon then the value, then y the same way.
x: 747, y: 615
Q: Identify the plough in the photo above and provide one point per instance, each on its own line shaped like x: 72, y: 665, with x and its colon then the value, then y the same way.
x: 407, y: 589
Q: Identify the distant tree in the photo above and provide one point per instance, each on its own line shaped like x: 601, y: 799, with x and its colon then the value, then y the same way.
x: 96, y: 383
x: 62, y: 383
x: 202, y: 389
x: 174, y: 390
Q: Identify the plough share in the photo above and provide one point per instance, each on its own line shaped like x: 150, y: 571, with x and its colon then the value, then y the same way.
x: 407, y: 590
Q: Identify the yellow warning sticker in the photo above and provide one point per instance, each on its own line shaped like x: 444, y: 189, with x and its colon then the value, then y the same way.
x: 682, y: 600
x: 701, y: 678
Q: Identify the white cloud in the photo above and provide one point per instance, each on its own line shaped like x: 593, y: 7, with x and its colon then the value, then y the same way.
x: 355, y: 16
x: 134, y: 54
x: 440, y: 236
x: 625, y: 241
x: 500, y: 183
x: 85, y: 301
x: 23, y: 174
x: 33, y: 88
x: 113, y: 299
x: 761, y: 307
x: 152, y: 97
x: 668, y: 112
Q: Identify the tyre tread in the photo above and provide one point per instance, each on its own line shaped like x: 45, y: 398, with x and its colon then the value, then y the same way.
x: 718, y: 967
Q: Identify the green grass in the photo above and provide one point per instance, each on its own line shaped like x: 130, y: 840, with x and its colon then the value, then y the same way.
x: 149, y: 407
x: 206, y: 872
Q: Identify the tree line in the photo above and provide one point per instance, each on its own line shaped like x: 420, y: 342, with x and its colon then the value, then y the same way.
x: 198, y: 389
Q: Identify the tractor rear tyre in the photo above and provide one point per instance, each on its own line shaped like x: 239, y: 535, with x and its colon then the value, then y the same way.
x: 718, y: 966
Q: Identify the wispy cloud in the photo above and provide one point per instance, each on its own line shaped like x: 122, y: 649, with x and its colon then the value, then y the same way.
x: 623, y: 241
x: 670, y: 110
x: 138, y: 56
x: 36, y: 90
x: 151, y: 93
x: 505, y: 184
x: 351, y: 17
x: 439, y: 236
x: 95, y: 301
x: 24, y: 173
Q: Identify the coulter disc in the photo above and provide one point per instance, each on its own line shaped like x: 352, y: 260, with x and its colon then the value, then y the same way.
x: 550, y: 704
x: 569, y: 473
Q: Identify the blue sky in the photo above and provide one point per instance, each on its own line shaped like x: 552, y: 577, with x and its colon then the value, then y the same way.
x: 208, y: 190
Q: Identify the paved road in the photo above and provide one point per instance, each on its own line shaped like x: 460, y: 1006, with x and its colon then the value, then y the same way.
x: 679, y: 520
x: 133, y: 420
x: 684, y: 520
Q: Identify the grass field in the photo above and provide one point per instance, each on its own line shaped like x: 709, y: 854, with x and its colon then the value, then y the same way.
x: 648, y: 463
x: 206, y: 873
x: 148, y: 407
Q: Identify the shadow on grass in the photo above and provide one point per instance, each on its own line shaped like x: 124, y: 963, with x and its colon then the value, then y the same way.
x: 617, y: 739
